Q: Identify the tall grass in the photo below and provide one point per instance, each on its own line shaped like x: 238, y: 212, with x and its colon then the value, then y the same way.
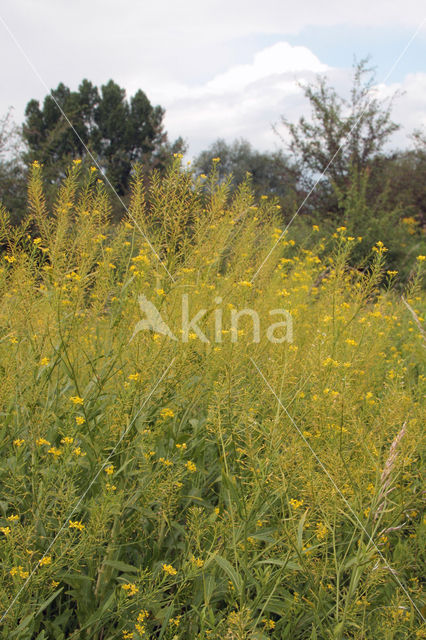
x: 158, y: 488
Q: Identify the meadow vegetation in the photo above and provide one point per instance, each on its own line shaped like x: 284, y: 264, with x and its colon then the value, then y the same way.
x: 154, y: 488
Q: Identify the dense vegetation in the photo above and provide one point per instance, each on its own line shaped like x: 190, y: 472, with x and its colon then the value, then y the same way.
x: 160, y: 488
x: 338, y: 168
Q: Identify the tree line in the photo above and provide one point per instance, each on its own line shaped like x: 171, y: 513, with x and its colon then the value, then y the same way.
x: 336, y: 163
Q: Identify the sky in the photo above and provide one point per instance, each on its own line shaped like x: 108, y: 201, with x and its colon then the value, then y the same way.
x: 228, y: 69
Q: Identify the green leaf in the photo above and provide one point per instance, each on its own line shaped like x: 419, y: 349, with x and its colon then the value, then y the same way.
x: 48, y: 601
x: 288, y: 564
x: 23, y: 625
x: 300, y: 531
x: 121, y: 566
x: 230, y: 571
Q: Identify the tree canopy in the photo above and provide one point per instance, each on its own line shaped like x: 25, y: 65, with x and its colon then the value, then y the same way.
x: 118, y: 132
x: 272, y: 173
x: 342, y: 133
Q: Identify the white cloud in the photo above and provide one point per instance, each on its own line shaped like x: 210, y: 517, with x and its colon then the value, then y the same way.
x: 246, y: 100
x: 279, y: 59
x: 191, y: 58
x: 409, y: 106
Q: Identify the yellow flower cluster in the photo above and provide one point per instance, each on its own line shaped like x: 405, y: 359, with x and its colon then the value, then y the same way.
x: 169, y: 569
x: 167, y: 413
x: 141, y: 621
x: 19, y: 571
x: 131, y: 589
x: 296, y: 503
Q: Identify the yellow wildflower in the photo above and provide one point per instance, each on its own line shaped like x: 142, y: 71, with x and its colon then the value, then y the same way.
x: 198, y: 562
x: 167, y: 413
x: 169, y: 569
x: 41, y: 441
x: 19, y: 571
x: 13, y: 518
x: 130, y: 588
x: 296, y: 503
x: 55, y: 452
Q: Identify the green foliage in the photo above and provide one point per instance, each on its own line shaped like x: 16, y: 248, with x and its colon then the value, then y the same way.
x: 271, y: 174
x: 351, y: 132
x: 117, y: 131
x: 380, y: 216
x: 154, y: 488
x: 341, y: 134
x: 13, y: 180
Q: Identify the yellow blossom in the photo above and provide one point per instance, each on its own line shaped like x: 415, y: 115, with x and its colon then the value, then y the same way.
x: 321, y: 531
x: 19, y: 571
x: 296, y: 503
x: 169, y: 569
x: 167, y: 413
x: 166, y: 461
x: 41, y: 441
x: 55, y: 452
x: 198, y: 562
x: 130, y: 588
x: 13, y: 518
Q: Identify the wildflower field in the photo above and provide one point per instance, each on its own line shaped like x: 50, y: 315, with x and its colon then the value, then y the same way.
x: 182, y: 488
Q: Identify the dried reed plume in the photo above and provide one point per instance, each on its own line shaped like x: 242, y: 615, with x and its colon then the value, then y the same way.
x: 385, y: 478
